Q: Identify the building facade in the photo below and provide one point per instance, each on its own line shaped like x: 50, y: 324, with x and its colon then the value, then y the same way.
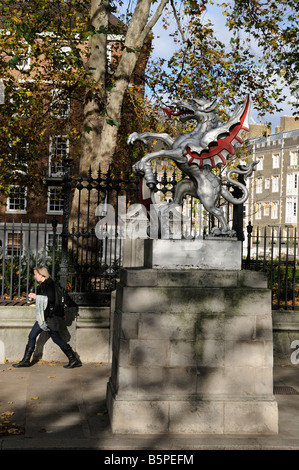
x: 31, y: 208
x: 273, y: 188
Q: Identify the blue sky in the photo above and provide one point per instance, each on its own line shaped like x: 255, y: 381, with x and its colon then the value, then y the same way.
x: 217, y: 18
x: 164, y: 47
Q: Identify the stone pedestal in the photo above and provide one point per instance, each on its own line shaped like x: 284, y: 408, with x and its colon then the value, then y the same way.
x: 217, y: 253
x: 192, y: 353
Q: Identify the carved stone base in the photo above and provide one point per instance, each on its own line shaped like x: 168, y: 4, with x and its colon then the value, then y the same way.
x: 192, y: 353
x: 214, y: 253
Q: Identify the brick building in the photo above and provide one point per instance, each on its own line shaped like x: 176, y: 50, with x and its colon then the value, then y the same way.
x: 37, y: 208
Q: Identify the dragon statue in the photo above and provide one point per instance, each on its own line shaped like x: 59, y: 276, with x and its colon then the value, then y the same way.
x: 209, y: 145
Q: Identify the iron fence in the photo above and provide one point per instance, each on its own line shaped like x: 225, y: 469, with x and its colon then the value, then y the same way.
x: 274, y: 251
x: 103, y: 211
x: 23, y: 246
x: 85, y: 252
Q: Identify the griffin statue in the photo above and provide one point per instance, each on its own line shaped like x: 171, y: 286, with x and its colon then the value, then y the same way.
x: 209, y: 145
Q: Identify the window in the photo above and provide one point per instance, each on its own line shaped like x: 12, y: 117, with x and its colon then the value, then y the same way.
x: 266, y: 209
x: 59, y: 149
x: 259, y: 185
x: 21, y: 59
x: 60, y: 104
x: 258, y: 214
x: 267, y: 183
x: 55, y: 199
x: 275, y: 184
x: 274, y: 210
x: 61, y: 59
x: 19, y: 99
x: 293, y: 158
x: 19, y: 156
x: 292, y: 182
x: 50, y: 239
x: 14, y: 243
x: 260, y: 165
x: 16, y: 201
x: 291, y: 210
x: 276, y: 160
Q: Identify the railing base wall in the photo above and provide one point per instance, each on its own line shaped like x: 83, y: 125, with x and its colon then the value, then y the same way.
x: 91, y: 338
x: 86, y: 329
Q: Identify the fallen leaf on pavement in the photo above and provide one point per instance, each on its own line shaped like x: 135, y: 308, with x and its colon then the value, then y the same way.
x: 7, y: 427
x: 5, y: 414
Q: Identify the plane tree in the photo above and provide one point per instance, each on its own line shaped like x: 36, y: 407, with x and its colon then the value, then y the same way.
x: 64, y: 46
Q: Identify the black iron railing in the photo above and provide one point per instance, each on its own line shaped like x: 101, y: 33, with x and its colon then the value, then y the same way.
x: 85, y: 252
x: 25, y: 245
x: 274, y: 251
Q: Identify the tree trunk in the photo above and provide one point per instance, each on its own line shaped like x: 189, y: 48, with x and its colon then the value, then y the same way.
x: 95, y: 99
x: 105, y: 134
x: 95, y: 103
x: 99, y: 137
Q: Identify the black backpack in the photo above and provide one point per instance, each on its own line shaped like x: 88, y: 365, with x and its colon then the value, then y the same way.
x: 61, y: 300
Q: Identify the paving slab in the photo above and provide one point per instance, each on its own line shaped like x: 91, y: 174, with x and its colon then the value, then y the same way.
x: 47, y: 407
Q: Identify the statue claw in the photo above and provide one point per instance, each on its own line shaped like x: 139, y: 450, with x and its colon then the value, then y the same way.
x: 135, y: 136
x: 138, y: 168
x: 132, y: 138
x: 217, y: 232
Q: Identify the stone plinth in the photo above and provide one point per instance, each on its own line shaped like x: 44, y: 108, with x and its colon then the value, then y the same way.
x: 192, y: 353
x: 215, y: 253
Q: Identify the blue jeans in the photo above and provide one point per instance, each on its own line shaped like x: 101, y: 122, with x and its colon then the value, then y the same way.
x: 36, y: 330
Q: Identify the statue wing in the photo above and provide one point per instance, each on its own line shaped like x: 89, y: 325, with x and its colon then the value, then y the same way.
x: 218, y: 143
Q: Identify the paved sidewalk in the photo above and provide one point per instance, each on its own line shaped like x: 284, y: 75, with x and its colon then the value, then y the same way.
x: 47, y: 407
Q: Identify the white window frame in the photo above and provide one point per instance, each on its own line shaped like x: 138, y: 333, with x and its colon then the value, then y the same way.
x: 50, y: 241
x: 17, y: 251
x: 14, y: 210
x: 49, y: 201
x: 291, y: 209
x: 24, y: 64
x: 63, y: 51
x: 266, y: 209
x: 292, y: 183
x: 294, y: 158
x: 275, y: 160
x: 15, y: 159
x: 259, y: 185
x: 54, y: 150
x: 258, y: 213
x: 60, y: 106
x: 260, y: 165
x: 275, y: 184
x: 274, y: 210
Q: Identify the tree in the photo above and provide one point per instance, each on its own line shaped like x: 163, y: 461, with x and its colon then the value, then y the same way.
x: 258, y: 55
x: 42, y: 68
x: 56, y: 33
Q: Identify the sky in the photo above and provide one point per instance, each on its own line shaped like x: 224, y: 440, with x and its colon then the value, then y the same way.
x: 164, y: 47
